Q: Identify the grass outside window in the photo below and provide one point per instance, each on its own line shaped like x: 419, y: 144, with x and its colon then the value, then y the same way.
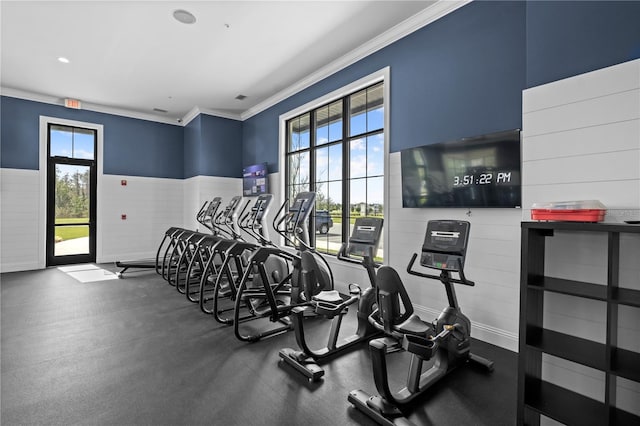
x: 65, y: 233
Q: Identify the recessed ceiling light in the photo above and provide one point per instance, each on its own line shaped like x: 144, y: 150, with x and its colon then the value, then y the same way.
x: 183, y: 16
x: 63, y: 60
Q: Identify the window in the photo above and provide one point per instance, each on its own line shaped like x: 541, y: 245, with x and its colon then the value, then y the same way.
x: 71, y: 142
x: 337, y: 151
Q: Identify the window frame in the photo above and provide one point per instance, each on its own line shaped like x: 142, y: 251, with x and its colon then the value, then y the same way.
x: 381, y: 76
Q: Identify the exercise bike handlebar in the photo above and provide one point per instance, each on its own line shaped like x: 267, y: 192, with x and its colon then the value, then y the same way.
x: 462, y: 280
x: 332, y: 309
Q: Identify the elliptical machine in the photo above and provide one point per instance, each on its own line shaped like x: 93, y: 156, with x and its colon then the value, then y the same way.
x: 447, y: 340
x: 265, y: 290
x: 237, y: 255
x: 363, y: 242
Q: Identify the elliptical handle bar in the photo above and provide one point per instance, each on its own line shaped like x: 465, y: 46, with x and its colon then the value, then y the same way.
x: 201, y: 213
x: 462, y: 280
x: 277, y: 221
x: 368, y: 257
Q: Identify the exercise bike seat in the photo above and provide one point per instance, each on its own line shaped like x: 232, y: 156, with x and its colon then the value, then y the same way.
x: 394, y: 306
x: 315, y: 276
x: 328, y: 296
x: 414, y: 326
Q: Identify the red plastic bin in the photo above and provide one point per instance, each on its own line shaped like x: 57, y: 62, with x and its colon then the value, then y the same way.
x: 569, y: 211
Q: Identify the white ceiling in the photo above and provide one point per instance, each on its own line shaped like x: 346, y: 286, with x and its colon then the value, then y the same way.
x: 133, y: 56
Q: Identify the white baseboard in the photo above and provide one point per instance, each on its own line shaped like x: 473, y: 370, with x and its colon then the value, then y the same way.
x: 20, y: 266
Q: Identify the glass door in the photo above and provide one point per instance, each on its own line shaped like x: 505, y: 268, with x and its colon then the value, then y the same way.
x: 71, y: 207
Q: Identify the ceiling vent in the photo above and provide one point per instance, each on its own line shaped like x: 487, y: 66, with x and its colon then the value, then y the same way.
x: 184, y: 16
x: 241, y: 97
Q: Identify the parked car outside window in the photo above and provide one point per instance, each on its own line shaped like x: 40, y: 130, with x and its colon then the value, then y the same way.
x: 324, y: 222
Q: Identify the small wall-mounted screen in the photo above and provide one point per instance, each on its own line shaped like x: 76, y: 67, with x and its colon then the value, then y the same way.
x: 482, y: 171
x: 255, y: 180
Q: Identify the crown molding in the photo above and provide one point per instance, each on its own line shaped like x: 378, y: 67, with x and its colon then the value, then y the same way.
x: 421, y: 19
x: 87, y: 106
x: 195, y: 111
x: 188, y: 117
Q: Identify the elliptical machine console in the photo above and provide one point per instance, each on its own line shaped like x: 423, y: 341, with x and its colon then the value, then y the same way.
x: 447, y: 340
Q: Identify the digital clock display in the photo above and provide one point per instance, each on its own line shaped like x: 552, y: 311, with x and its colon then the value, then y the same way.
x: 482, y: 171
x: 482, y: 179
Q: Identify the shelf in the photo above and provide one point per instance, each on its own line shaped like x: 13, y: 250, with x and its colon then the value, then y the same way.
x: 538, y: 397
x: 626, y: 364
x: 621, y: 417
x: 582, y: 226
x: 582, y: 351
x: 563, y: 405
x: 570, y: 287
x: 626, y: 296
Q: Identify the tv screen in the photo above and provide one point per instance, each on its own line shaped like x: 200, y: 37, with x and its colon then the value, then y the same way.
x: 254, y: 180
x: 482, y: 171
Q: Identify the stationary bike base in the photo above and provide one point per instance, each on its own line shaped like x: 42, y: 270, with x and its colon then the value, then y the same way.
x: 306, y: 366
x: 378, y: 409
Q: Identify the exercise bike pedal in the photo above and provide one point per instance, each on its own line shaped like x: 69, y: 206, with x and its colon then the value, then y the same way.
x: 483, y: 362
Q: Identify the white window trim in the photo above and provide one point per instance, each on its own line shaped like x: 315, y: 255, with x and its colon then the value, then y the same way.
x: 382, y: 75
x: 42, y: 214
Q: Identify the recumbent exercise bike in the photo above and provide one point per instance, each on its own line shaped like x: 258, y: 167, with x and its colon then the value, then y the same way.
x: 447, y: 340
x: 363, y: 243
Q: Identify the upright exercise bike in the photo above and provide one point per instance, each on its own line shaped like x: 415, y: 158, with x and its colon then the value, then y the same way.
x: 447, y: 340
x: 363, y: 243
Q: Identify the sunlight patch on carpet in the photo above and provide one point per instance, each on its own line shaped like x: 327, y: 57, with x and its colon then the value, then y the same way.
x: 88, y: 273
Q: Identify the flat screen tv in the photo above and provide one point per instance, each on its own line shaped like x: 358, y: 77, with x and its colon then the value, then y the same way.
x: 481, y: 171
x: 255, y: 180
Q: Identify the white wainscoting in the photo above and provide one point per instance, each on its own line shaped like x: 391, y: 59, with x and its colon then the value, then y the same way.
x: 20, y: 227
x: 199, y: 189
x: 151, y: 206
x: 581, y: 141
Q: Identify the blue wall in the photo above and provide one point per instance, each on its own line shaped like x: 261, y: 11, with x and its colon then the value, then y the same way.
x: 132, y: 147
x: 569, y: 38
x: 192, y: 146
x: 463, y: 75
x: 221, y: 149
x: 213, y: 147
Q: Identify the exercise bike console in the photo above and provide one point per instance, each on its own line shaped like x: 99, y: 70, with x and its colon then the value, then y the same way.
x: 445, y: 245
